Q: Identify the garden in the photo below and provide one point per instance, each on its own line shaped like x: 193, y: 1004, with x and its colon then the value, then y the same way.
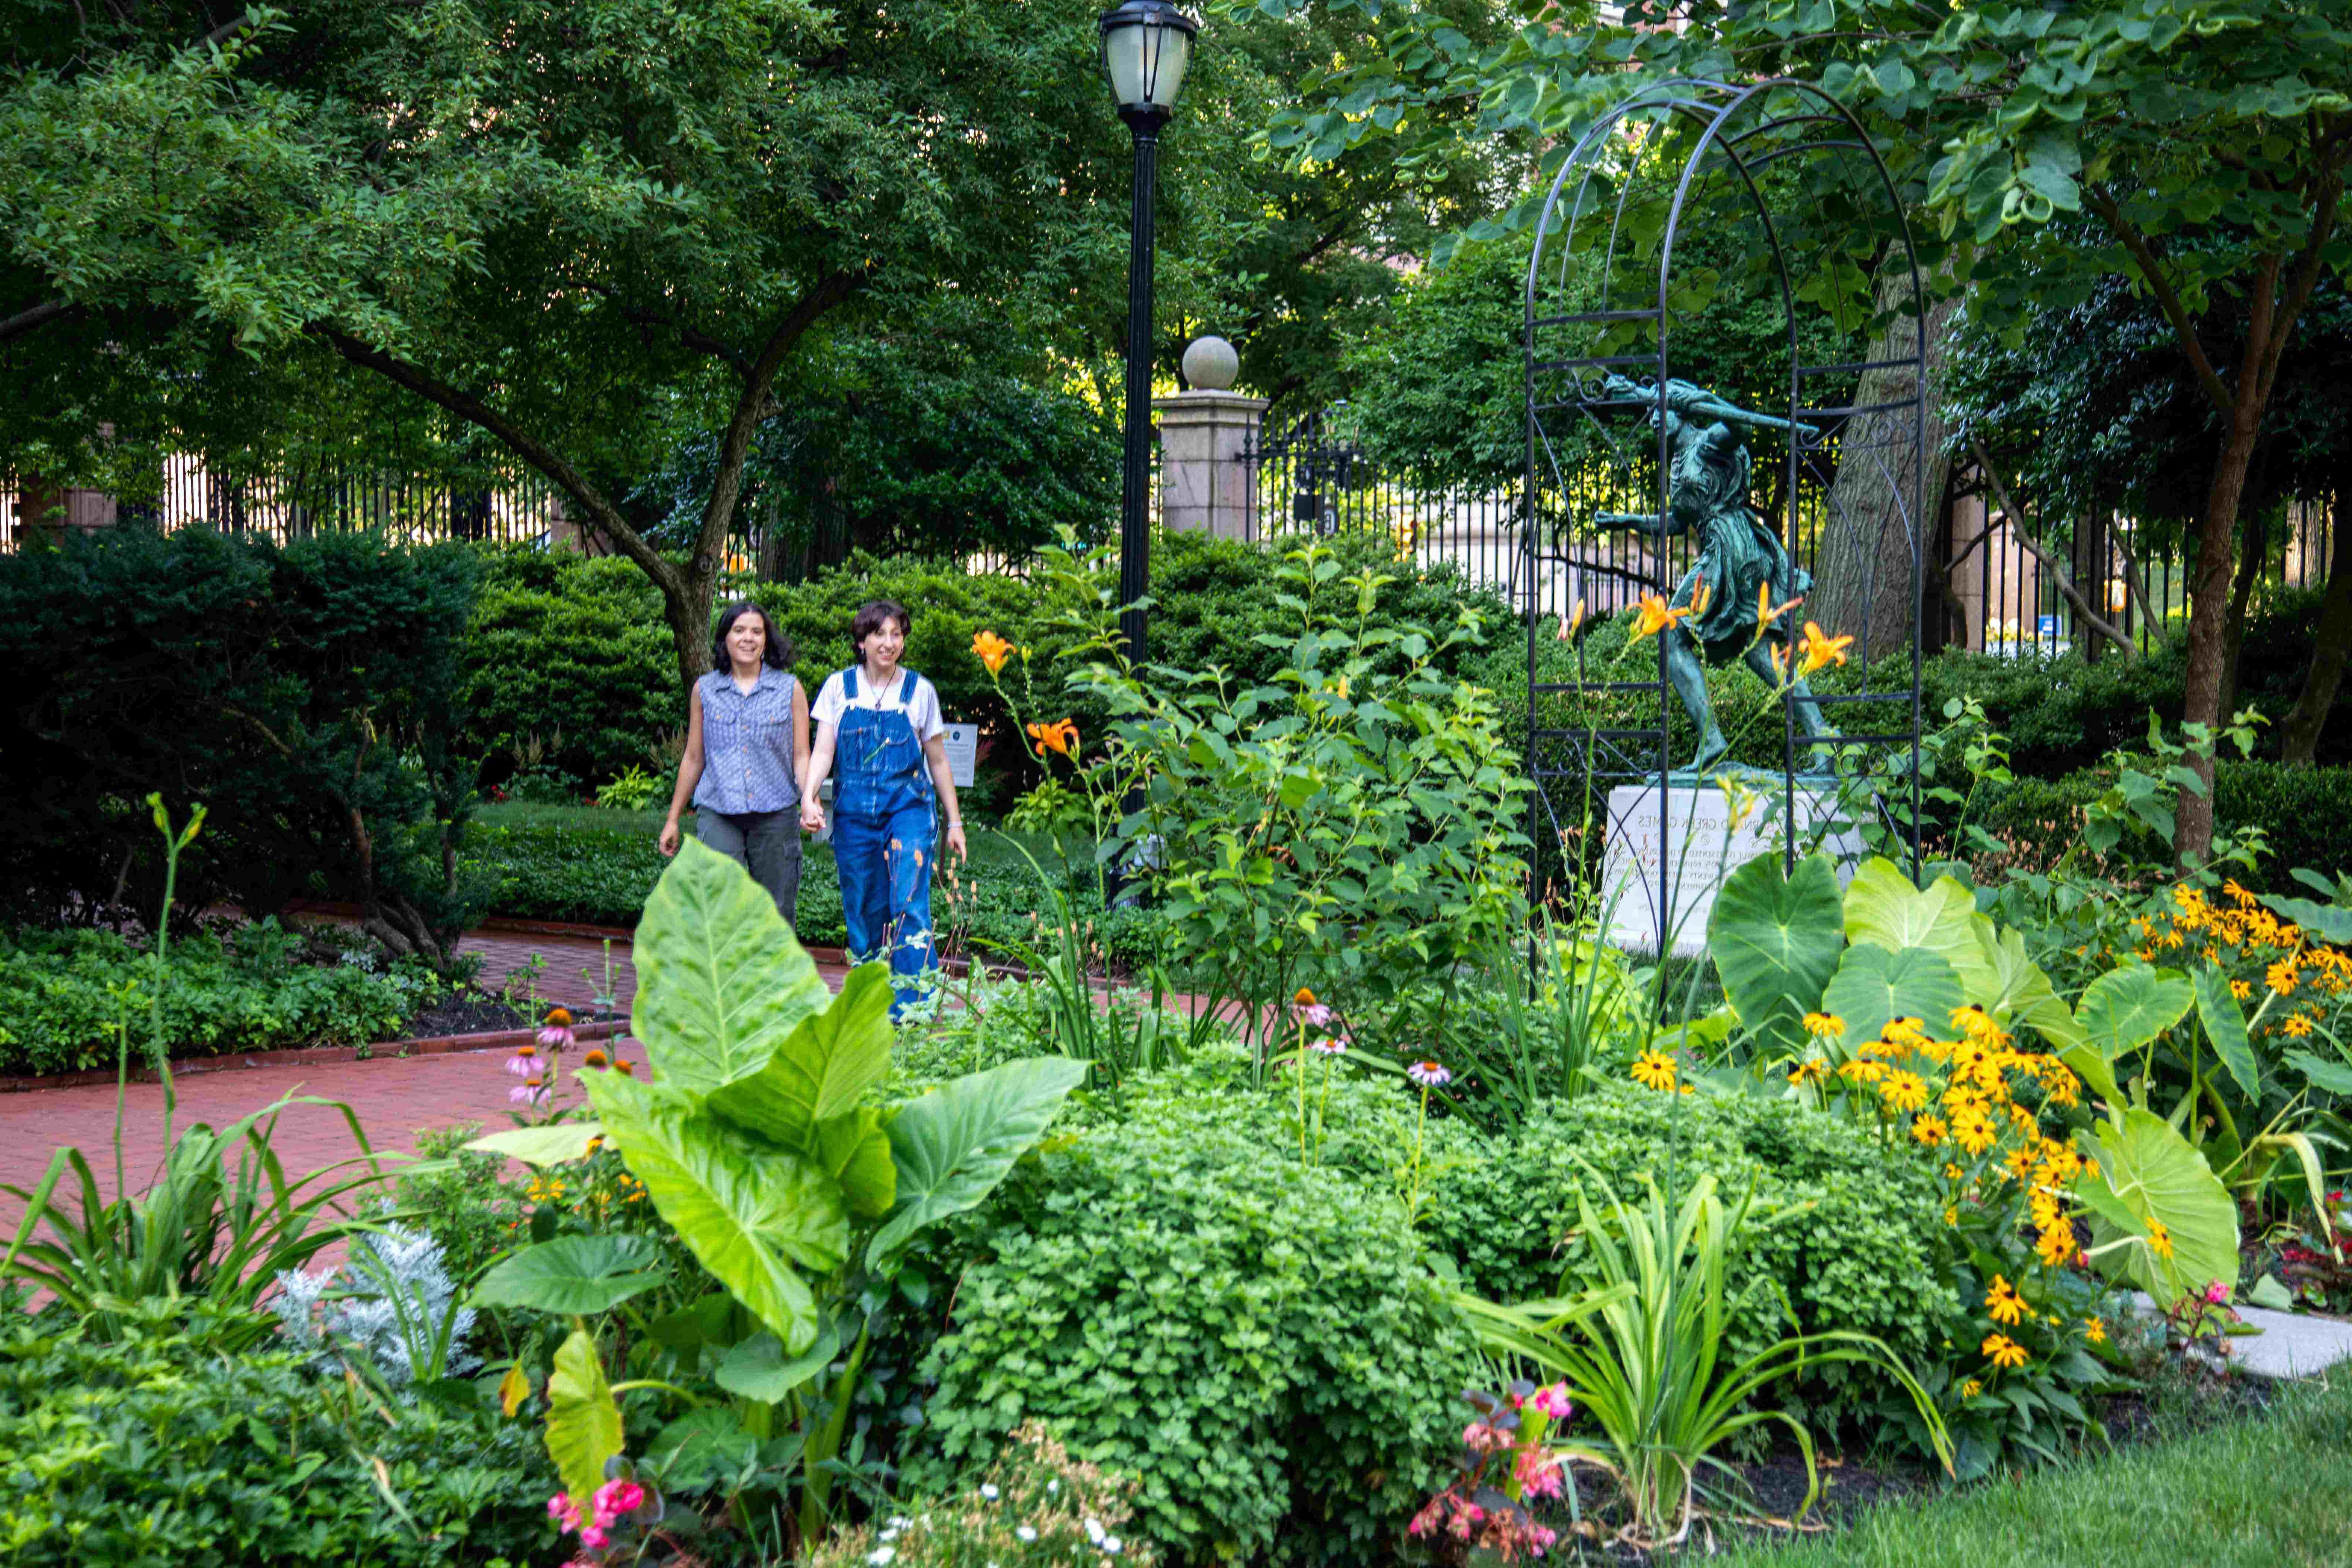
x: 1292, y: 1151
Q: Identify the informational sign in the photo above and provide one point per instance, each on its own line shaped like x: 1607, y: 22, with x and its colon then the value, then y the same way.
x: 1692, y: 835
x: 2045, y: 626
x: 963, y: 753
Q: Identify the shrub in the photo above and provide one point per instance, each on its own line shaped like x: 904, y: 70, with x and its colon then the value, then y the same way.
x: 249, y: 992
x: 151, y: 1453
x: 2301, y: 810
x: 1865, y: 1252
x: 1262, y: 1344
x: 305, y: 694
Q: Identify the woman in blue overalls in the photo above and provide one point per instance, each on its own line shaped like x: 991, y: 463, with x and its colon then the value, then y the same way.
x: 880, y: 724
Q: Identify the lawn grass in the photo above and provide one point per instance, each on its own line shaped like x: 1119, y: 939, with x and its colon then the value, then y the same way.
x: 2267, y: 1492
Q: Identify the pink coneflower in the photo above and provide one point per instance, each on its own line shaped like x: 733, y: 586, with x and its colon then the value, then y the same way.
x: 1315, y: 1015
x: 524, y: 1062
x: 1334, y: 1045
x: 1429, y: 1075
x: 529, y: 1092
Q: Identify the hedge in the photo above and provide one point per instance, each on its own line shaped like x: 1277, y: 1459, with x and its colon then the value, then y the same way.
x: 2303, y: 811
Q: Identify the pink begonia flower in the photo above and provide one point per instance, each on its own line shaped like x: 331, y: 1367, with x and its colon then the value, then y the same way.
x: 593, y: 1537
x: 1553, y: 1401
x: 618, y: 1497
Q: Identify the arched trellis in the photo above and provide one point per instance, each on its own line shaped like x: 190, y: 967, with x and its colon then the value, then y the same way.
x: 1606, y: 302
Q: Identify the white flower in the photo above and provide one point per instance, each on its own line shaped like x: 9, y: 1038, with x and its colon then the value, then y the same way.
x: 1095, y: 1531
x: 1110, y: 1544
x: 1026, y: 1533
x: 989, y: 1492
x: 880, y: 1556
x: 1053, y: 1487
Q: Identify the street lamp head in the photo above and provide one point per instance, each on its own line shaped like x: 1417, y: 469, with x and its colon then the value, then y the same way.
x: 1146, y: 44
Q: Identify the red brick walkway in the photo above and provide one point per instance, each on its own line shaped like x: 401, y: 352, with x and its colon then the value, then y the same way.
x: 393, y: 1096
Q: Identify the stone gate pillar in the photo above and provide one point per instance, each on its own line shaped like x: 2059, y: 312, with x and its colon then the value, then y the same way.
x: 1204, y: 485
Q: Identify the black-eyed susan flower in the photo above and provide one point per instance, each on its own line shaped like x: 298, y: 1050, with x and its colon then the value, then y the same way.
x: 1654, y: 1069
x: 2002, y: 1303
x: 2002, y: 1350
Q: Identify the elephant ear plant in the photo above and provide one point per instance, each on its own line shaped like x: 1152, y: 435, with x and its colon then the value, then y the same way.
x: 754, y: 1145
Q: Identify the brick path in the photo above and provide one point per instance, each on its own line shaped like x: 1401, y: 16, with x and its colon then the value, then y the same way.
x: 393, y: 1096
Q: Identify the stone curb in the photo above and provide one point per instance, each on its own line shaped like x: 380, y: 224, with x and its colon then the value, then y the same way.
x: 384, y: 1050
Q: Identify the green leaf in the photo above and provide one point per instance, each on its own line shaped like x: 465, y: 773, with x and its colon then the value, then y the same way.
x: 855, y: 1151
x: 720, y: 980
x: 2225, y: 1025
x: 1872, y: 987
x: 583, y: 1423
x: 573, y: 1274
x: 700, y: 1447
x: 2332, y: 1076
x: 2330, y: 923
x: 1776, y: 943
x: 748, y: 1210
x: 2267, y: 1292
x: 1883, y: 907
x: 2125, y: 1008
x: 955, y: 1143
x: 557, y: 1144
x: 2153, y: 1173
x: 759, y: 1368
x: 2021, y: 995
x: 818, y: 1070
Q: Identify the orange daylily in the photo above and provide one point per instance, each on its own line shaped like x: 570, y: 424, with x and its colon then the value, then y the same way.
x: 1655, y: 617
x: 1767, y: 611
x: 1701, y: 596
x: 1060, y: 736
x: 1571, y: 621
x: 1821, y: 649
x: 993, y: 650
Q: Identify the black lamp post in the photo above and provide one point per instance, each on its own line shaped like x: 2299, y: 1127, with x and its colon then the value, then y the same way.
x: 1146, y: 44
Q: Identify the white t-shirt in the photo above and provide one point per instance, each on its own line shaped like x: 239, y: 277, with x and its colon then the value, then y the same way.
x: 920, y: 705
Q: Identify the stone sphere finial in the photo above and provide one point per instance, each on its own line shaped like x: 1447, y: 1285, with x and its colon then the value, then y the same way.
x: 1210, y: 364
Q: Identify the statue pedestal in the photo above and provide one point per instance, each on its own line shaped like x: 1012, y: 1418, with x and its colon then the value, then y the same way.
x: 1689, y: 834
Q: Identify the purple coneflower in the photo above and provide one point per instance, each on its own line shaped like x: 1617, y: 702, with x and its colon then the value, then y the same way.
x: 524, y: 1062
x: 1429, y: 1075
x: 1335, y: 1046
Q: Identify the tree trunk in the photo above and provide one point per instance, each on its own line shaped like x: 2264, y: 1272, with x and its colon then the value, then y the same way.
x: 2253, y: 548
x: 2300, y: 734
x: 1862, y: 577
x: 2209, y: 620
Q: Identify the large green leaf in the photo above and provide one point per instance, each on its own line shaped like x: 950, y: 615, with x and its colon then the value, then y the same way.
x: 820, y: 1068
x: 2332, y: 1076
x: 1874, y: 986
x: 2125, y: 1008
x: 2225, y: 1025
x: 573, y: 1274
x: 955, y: 1143
x: 748, y: 1210
x: 855, y: 1150
x: 1776, y: 943
x: 1884, y: 908
x: 583, y: 1423
x: 2331, y: 923
x: 556, y: 1144
x: 700, y: 1447
x: 720, y: 980
x: 2153, y: 1173
x: 2021, y: 995
x: 759, y: 1368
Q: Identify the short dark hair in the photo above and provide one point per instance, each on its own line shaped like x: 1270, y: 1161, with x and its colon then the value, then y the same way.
x: 869, y: 618
x: 779, y: 653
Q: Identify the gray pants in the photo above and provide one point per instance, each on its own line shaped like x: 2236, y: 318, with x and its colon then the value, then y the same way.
x: 765, y: 843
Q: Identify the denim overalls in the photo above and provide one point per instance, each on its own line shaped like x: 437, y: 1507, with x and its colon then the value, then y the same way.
x: 883, y: 833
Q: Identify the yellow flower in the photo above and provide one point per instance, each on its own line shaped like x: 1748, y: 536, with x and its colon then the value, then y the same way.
x: 1824, y: 1025
x: 1654, y: 1069
x: 1819, y: 649
x: 1905, y: 1090
x: 1812, y: 1069
x: 1767, y: 611
x: 2282, y: 976
x: 2021, y: 1163
x: 1701, y: 596
x: 2002, y: 1350
x: 1952, y: 1214
x: 2297, y: 1027
x: 2057, y: 1244
x: 1970, y: 1389
x: 2095, y: 1330
x: 1905, y: 1032
x: 1973, y: 1130
x: 993, y: 650
x: 1928, y: 1130
x: 2002, y: 1301
x: 1861, y: 1069
x: 2159, y: 1239
x: 1571, y: 621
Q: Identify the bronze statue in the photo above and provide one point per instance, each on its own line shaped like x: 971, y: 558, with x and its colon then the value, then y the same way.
x: 1727, y: 600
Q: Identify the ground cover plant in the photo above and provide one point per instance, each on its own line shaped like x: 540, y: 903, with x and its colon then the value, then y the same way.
x: 260, y: 987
